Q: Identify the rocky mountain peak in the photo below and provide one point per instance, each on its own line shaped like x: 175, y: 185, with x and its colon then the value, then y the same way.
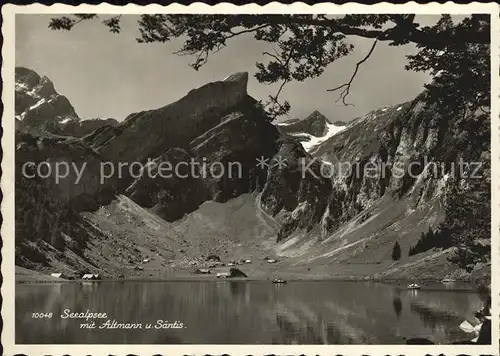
x: 34, y: 87
x: 46, y: 87
x: 318, y: 119
x: 316, y: 114
x: 239, y: 81
x: 38, y: 106
x: 240, y: 77
x: 26, y: 76
x: 315, y: 124
x: 180, y: 122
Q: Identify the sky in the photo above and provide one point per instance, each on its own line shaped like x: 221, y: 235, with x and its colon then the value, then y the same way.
x: 111, y: 75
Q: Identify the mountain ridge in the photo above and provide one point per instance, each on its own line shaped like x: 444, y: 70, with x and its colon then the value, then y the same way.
x: 338, y: 224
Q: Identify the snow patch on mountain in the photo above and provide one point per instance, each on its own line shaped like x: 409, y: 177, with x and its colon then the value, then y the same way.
x: 40, y: 102
x: 313, y: 141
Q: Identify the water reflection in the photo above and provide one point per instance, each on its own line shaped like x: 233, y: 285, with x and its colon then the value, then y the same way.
x: 398, y: 305
x: 245, y: 312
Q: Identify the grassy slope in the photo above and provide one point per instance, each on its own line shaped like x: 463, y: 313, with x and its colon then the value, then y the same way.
x: 231, y: 230
x: 239, y: 229
x: 26, y: 275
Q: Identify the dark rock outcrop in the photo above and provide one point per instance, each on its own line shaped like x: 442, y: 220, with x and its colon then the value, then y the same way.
x: 213, y: 257
x: 71, y: 171
x: 235, y: 273
x: 170, y: 187
x: 295, y: 190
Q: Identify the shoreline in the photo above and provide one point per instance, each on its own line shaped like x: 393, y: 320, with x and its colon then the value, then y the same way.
x: 25, y: 276
x: 180, y: 279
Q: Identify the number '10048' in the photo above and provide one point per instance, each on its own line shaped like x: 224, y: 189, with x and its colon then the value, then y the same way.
x: 41, y: 315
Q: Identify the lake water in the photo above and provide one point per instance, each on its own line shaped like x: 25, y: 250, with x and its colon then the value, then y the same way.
x: 237, y: 312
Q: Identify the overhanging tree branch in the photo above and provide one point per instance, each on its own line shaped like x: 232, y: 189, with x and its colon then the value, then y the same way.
x: 234, y: 34
x: 347, y: 86
x: 456, y: 53
x: 405, y: 27
x: 278, y: 109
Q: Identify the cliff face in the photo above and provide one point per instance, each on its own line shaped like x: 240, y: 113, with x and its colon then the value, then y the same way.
x: 296, y: 197
x: 388, y: 177
x: 225, y: 167
x: 217, y: 126
x: 409, y: 150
